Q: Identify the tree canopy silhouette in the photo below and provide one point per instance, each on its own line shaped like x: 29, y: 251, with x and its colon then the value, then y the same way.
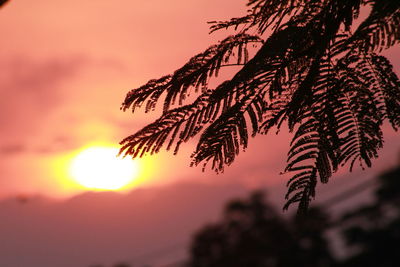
x: 252, y: 233
x: 374, y: 229
x: 313, y: 70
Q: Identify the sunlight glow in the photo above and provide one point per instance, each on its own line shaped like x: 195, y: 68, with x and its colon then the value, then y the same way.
x: 99, y: 168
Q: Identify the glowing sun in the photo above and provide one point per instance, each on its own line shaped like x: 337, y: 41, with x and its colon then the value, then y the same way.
x: 99, y: 168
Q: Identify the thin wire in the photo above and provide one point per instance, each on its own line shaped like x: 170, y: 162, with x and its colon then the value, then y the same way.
x: 350, y: 193
x: 336, y: 199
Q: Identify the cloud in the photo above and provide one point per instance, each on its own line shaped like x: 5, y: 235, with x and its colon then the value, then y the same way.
x: 58, y: 143
x: 11, y: 149
x: 39, y: 81
x: 30, y: 90
x: 54, y: 145
x: 108, y: 227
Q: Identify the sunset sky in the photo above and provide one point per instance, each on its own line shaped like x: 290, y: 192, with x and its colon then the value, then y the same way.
x: 66, y: 67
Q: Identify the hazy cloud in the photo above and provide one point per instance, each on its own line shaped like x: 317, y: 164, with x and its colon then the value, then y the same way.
x: 30, y: 90
x: 11, y: 149
x: 108, y: 227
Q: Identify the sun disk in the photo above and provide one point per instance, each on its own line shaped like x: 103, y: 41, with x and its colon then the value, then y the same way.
x: 99, y: 168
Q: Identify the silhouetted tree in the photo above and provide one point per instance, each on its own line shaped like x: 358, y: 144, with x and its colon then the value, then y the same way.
x: 115, y: 265
x: 375, y: 229
x: 122, y: 265
x: 313, y: 71
x: 253, y: 234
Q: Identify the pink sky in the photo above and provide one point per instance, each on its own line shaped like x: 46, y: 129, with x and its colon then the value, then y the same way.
x: 67, y: 65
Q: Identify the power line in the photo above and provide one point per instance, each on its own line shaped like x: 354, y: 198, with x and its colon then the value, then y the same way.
x: 347, y: 194
x: 158, y: 252
x: 334, y: 200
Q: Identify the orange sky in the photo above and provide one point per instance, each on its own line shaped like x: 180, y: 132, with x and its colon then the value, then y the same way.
x: 67, y: 65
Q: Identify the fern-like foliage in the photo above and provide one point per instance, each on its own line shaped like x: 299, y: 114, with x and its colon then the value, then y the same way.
x: 2, y: 2
x: 312, y: 69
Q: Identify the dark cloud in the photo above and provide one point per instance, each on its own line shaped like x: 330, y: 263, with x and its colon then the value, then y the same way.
x: 59, y: 144
x: 53, y: 145
x: 108, y: 227
x: 11, y: 149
